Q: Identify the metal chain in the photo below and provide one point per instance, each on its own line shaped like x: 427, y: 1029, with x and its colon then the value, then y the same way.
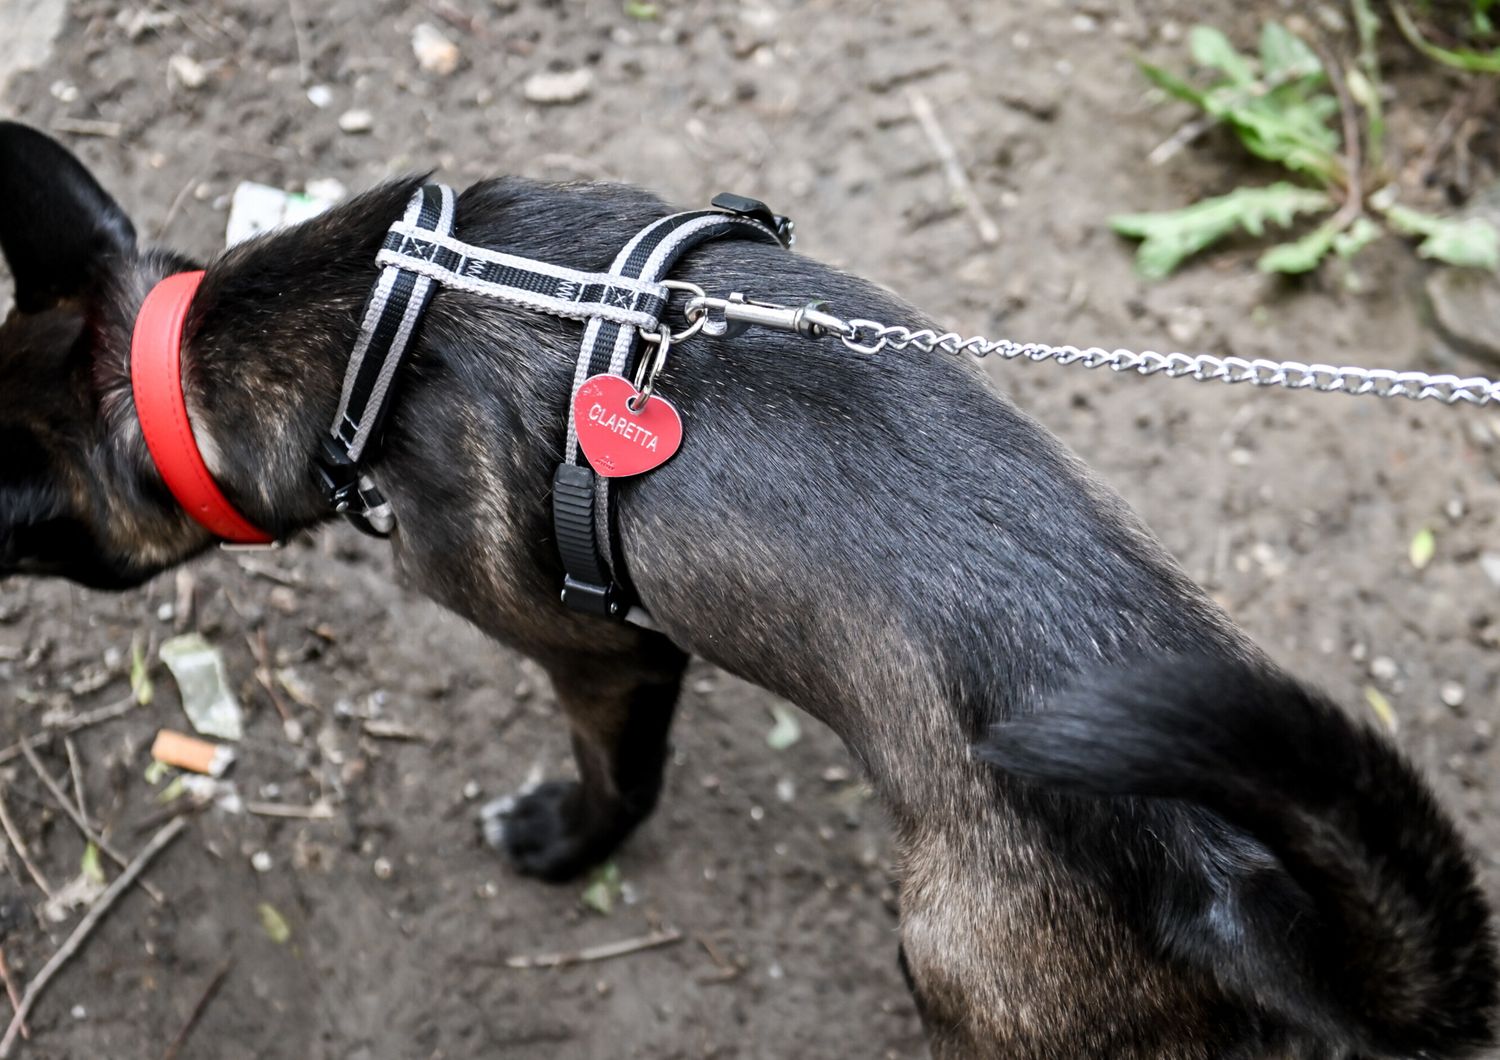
x: 870, y: 337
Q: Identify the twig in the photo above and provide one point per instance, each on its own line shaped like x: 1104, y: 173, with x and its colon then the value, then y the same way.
x: 958, y: 180
x: 88, y: 127
x: 265, y: 674
x: 393, y: 730
x: 76, y: 771
x: 603, y: 952
x: 304, y: 70
x: 12, y: 992
x: 86, y: 926
x: 318, y: 811
x: 15, y: 841
x: 1354, y: 195
x: 83, y: 825
x: 197, y: 1012
x: 72, y: 725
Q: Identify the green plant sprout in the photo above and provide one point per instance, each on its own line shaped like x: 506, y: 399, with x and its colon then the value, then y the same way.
x: 1327, y: 129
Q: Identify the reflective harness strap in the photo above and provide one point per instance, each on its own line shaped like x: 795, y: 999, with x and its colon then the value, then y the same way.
x: 419, y: 254
x: 595, y: 577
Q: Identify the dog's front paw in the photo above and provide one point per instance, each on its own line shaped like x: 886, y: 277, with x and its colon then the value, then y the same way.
x: 544, y: 832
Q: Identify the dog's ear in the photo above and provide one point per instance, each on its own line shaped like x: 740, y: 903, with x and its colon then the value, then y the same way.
x: 58, y: 227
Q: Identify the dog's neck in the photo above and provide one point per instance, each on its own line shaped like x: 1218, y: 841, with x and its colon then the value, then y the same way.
x: 265, y: 347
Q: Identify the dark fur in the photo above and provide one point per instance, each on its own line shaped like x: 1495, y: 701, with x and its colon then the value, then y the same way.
x: 886, y: 542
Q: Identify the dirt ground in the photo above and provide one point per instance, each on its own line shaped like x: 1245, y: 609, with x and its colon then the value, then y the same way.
x: 1296, y: 510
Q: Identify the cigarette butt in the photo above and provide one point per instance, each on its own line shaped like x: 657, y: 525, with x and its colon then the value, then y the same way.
x: 190, y: 753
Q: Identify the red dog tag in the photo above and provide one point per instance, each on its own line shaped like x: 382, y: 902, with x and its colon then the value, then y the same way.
x: 617, y: 441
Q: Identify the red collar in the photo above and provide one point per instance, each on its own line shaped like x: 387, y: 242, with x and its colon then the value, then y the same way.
x: 156, y: 380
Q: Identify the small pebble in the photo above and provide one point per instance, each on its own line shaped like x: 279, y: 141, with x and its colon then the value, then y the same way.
x: 435, y: 53
x: 1384, y: 668
x: 558, y: 87
x: 356, y: 122
x: 757, y: 813
x: 786, y: 790
x: 79, y: 1012
x: 1489, y: 562
x: 165, y: 612
x: 320, y: 96
x: 471, y: 790
x: 384, y: 870
x: 187, y: 71
x: 1451, y: 693
x: 261, y: 861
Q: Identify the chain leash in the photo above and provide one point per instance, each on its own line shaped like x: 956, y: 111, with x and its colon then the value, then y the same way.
x: 731, y: 316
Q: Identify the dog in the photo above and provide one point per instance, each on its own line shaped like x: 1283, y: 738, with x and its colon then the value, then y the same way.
x: 1122, y: 832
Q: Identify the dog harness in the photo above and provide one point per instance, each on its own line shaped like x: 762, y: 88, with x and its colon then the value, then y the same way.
x: 619, y: 308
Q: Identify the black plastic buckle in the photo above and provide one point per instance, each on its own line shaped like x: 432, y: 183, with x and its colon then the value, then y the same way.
x: 339, y: 475
x: 784, y: 227
x: 601, y: 600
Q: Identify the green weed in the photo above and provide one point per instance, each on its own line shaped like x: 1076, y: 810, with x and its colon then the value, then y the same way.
x: 1327, y: 129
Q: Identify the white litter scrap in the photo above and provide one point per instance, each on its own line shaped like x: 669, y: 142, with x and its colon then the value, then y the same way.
x: 198, y: 668
x: 256, y: 208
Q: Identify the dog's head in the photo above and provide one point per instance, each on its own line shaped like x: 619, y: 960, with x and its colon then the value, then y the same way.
x: 77, y: 496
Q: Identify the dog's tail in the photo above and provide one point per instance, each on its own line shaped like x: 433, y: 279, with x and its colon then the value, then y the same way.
x: 1368, y: 928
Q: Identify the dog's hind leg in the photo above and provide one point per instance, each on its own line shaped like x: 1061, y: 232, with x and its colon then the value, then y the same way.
x: 619, y: 710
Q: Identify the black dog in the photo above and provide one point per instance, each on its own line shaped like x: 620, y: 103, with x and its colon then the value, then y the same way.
x: 1182, y: 852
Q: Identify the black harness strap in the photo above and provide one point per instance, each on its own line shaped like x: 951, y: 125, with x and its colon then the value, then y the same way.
x: 393, y: 312
x: 595, y: 579
x: 420, y: 252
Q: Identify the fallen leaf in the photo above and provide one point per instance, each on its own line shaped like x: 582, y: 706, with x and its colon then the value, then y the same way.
x: 603, y: 889
x: 91, y: 866
x: 275, y: 925
x: 786, y: 731
x: 1423, y: 545
x: 1382, y: 708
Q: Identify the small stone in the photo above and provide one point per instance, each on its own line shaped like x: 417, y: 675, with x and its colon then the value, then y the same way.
x: 1451, y: 693
x: 64, y: 91
x: 435, y: 53
x: 320, y: 96
x: 835, y: 775
x: 1384, y: 668
x: 187, y: 71
x: 165, y: 612
x: 1358, y: 652
x: 558, y: 87
x: 356, y: 122
x: 757, y: 813
x: 1454, y: 509
x: 1465, y: 305
x: 384, y: 870
x: 786, y: 789
x: 471, y: 790
x: 1489, y: 562
x: 261, y: 861
x: 79, y: 1012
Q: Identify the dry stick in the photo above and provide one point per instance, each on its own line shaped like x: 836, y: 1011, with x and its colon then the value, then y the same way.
x: 197, y: 1012
x: 265, y: 674
x: 318, y: 811
x: 1354, y: 195
x: 83, y: 825
x: 85, y: 927
x: 88, y: 127
x: 72, y: 725
x: 304, y: 70
x: 76, y: 771
x: 12, y: 992
x: 592, y: 953
x: 15, y: 841
x: 953, y: 169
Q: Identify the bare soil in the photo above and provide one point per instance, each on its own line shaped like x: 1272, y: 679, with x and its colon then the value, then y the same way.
x: 1296, y: 510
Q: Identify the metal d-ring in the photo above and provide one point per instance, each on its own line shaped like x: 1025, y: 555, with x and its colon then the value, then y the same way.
x: 651, y: 364
x: 694, y: 325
